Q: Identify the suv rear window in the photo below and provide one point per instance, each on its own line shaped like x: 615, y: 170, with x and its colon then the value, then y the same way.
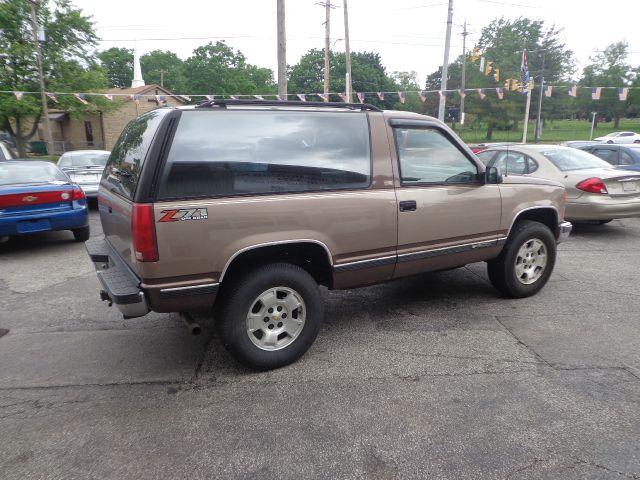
x: 129, y: 153
x: 224, y: 153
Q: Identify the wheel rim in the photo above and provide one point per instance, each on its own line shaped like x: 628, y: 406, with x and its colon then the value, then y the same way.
x: 276, y: 318
x: 531, y: 261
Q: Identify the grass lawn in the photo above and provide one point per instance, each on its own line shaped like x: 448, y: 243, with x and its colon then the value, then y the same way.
x: 552, y: 132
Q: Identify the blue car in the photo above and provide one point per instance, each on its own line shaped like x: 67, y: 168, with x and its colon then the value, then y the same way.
x: 38, y: 197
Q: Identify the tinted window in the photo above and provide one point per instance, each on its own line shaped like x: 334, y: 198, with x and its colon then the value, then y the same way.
x: 254, y: 152
x: 625, y: 158
x: 572, y: 159
x: 605, y: 154
x: 427, y: 156
x: 23, y: 173
x: 128, y: 155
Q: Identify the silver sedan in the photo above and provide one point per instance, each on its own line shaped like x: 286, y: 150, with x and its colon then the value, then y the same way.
x: 596, y: 191
x: 85, y: 168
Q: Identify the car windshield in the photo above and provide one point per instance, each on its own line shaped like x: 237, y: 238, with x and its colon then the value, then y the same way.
x: 571, y: 159
x: 84, y: 159
x: 29, y: 173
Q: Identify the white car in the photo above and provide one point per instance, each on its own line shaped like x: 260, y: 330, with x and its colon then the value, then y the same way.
x: 620, y: 137
x: 85, y: 168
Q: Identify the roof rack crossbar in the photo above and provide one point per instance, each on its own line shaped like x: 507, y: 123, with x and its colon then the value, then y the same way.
x: 288, y: 103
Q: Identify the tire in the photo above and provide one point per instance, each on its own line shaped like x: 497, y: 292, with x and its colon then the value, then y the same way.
x: 269, y: 317
x: 528, y: 240
x: 636, y: 141
x: 609, y: 142
x: 81, y: 234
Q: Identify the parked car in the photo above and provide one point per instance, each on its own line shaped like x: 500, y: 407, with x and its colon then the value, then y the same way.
x: 6, y: 152
x: 626, y: 157
x: 85, y: 168
x: 38, y: 197
x: 247, y: 207
x: 479, y: 147
x: 620, y: 137
x: 597, y: 191
x: 578, y: 143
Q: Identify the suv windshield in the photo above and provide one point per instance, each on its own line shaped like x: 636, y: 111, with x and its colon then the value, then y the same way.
x: 572, y: 159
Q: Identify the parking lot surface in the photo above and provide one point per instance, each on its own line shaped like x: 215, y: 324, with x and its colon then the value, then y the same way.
x: 433, y: 376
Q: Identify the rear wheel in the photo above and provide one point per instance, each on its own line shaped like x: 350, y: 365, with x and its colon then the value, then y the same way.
x: 81, y: 234
x: 270, y: 317
x: 526, y: 262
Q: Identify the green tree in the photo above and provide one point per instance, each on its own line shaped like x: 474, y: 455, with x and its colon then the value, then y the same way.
x: 408, y: 82
x: 162, y: 68
x: 219, y: 69
x: 608, y: 68
x: 118, y: 66
x: 66, y: 62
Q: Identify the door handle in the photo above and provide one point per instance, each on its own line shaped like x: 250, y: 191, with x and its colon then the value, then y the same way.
x: 408, y: 206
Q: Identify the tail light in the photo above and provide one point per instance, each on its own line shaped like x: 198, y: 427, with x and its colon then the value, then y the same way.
x: 37, y: 198
x: 77, y: 194
x: 143, y: 232
x: 593, y: 185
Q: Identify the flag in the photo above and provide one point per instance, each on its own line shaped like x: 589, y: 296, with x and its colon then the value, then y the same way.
x: 258, y: 97
x: 595, y: 93
x: 524, y: 71
x: 475, y: 54
x: 423, y: 96
x: 496, y: 74
x: 135, y: 98
x: 403, y: 96
x: 344, y: 97
x: 302, y: 97
x: 160, y: 99
x: 381, y: 96
x: 80, y: 97
x: 108, y: 96
x: 487, y: 68
x: 482, y: 64
x: 361, y: 97
x: 622, y: 94
x: 323, y: 96
x: 507, y: 84
x: 211, y: 98
x: 481, y: 93
x: 462, y: 93
x: 573, y: 91
x: 548, y: 90
x: 234, y: 97
x: 52, y: 97
x: 280, y: 98
x: 18, y: 95
x: 500, y: 93
x: 186, y: 97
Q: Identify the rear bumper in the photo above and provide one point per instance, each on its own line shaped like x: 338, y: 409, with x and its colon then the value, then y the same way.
x: 603, y: 208
x: 61, y: 220
x: 120, y: 285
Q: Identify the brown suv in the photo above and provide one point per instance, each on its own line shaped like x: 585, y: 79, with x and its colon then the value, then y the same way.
x: 247, y: 207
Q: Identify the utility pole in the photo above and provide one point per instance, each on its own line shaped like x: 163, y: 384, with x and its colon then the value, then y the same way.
x: 538, y: 132
x: 445, y: 66
x: 347, y: 53
x: 462, y: 83
x: 282, y: 52
x: 327, y: 32
x: 162, y: 72
x: 43, y: 96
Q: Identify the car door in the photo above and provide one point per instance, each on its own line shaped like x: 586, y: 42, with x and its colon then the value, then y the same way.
x: 447, y: 214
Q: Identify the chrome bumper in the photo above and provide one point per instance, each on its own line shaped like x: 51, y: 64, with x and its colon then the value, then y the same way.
x: 565, y: 229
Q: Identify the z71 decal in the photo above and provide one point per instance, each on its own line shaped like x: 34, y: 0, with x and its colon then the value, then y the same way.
x: 183, y: 214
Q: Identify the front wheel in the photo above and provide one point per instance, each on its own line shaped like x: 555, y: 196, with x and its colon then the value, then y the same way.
x: 526, y: 262
x: 270, y: 317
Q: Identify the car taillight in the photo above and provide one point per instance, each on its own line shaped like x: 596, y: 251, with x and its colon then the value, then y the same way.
x: 143, y: 233
x: 593, y: 185
x: 77, y: 194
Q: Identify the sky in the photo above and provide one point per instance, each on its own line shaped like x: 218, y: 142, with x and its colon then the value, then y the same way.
x: 409, y: 35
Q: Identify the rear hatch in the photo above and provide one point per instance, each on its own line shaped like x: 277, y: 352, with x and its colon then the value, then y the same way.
x: 120, y: 180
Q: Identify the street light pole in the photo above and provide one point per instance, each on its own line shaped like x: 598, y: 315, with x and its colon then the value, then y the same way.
x: 538, y: 132
x: 462, y: 83
x: 327, y: 33
x: 347, y: 53
x: 43, y: 96
x: 282, y: 51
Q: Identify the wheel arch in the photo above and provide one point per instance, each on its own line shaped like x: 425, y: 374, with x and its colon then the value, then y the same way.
x: 546, y: 215
x: 312, y: 256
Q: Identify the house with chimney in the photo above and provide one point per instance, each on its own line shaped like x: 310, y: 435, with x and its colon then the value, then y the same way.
x: 100, y: 130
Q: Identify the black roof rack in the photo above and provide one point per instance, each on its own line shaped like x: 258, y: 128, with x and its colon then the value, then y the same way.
x: 223, y: 102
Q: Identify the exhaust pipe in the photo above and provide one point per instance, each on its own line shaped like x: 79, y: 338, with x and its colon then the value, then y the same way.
x: 190, y: 323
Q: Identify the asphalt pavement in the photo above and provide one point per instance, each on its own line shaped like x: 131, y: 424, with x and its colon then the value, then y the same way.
x: 433, y: 376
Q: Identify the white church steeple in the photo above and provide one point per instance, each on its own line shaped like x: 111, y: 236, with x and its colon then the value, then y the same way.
x: 138, y: 81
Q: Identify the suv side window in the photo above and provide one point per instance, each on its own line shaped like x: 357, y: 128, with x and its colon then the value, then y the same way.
x: 264, y: 151
x: 427, y: 156
x: 128, y: 155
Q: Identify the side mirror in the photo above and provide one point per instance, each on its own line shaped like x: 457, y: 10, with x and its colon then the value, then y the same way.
x: 492, y: 175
